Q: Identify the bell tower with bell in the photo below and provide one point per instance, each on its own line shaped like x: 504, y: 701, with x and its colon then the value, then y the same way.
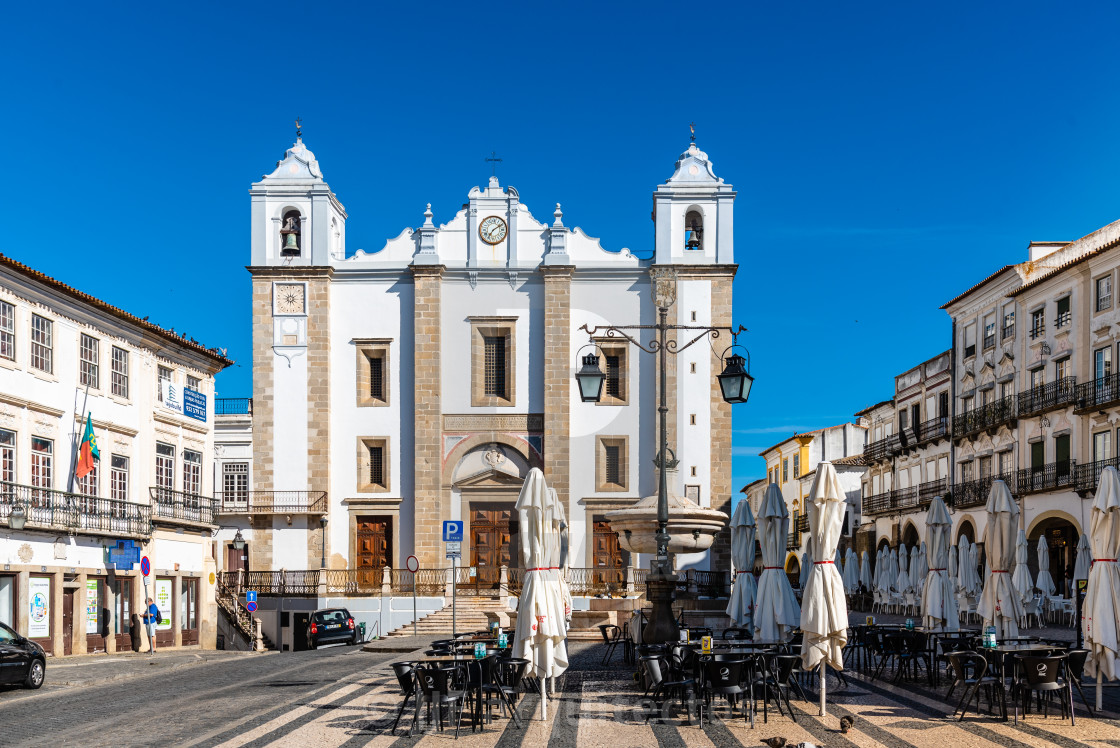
x: 297, y: 220
x: 693, y: 214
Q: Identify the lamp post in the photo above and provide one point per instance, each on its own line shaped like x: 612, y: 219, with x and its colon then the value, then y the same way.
x: 323, y: 545
x: 735, y: 385
x: 17, y: 519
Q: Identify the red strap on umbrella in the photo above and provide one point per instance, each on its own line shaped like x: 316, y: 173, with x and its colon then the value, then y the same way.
x: 779, y: 568
x: 818, y: 563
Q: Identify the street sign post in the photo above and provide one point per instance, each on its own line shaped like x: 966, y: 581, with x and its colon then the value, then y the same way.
x: 251, y: 606
x: 453, y: 536
x: 145, y: 569
x: 413, y: 565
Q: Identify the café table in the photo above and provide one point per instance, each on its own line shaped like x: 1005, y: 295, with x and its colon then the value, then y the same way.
x: 1000, y: 655
x: 465, y: 660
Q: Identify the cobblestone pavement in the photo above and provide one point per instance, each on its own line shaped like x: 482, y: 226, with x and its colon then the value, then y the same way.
x: 344, y: 697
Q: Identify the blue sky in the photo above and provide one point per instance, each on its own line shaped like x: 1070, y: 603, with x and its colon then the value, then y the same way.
x: 886, y: 156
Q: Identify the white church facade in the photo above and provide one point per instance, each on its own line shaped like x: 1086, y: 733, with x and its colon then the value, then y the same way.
x: 396, y: 389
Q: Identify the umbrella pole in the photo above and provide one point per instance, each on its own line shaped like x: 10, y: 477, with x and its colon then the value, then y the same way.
x: 1100, y: 680
x: 824, y: 677
x: 544, y: 701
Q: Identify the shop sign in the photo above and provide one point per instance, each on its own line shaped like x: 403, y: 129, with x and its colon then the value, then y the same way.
x: 39, y: 604
x: 93, y: 605
x: 163, y: 602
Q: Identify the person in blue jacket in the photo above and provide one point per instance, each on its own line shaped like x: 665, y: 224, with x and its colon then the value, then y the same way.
x: 151, y: 618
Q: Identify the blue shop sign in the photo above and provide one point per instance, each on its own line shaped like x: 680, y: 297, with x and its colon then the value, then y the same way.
x: 124, y: 555
x: 194, y: 404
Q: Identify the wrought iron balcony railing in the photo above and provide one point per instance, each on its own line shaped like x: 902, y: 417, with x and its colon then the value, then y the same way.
x: 903, y: 500
x: 971, y: 493
x: 882, y: 449
x: 233, y: 406
x: 177, y: 507
x: 1057, y: 394
x: 933, y: 429
x: 48, y: 509
x: 1099, y: 393
x: 272, y: 502
x: 1055, y: 476
x: 984, y: 417
x: 1088, y: 475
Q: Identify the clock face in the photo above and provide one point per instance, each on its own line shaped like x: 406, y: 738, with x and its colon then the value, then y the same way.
x: 492, y: 230
x: 289, y: 298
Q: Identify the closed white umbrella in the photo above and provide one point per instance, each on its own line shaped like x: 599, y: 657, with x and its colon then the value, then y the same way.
x: 939, y: 603
x: 962, y: 564
x: 919, y: 568
x: 851, y: 572
x: 540, y: 631
x: 891, y: 579
x: 902, y: 582
x: 740, y: 608
x: 1084, y: 558
x: 1100, y: 615
x: 824, y: 612
x: 1045, y: 582
x: 1000, y: 604
x: 865, y: 570
x: 776, y: 612
x: 1021, y: 577
x: 975, y: 586
x: 806, y: 562
x: 953, y: 568
x: 880, y: 565
x: 561, y: 567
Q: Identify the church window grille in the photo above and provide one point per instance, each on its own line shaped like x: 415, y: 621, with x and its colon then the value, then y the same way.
x: 377, y: 378
x: 495, y: 383
x: 377, y: 466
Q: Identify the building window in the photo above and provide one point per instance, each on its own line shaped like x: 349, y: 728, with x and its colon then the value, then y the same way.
x: 163, y: 374
x: 985, y: 467
x: 7, y: 456
x: 785, y: 470
x: 7, y: 331
x: 989, y: 332
x: 943, y: 405
x: 492, y: 361
x: 192, y: 472
x: 1101, y: 446
x: 118, y: 478
x: 120, y: 372
x: 903, y: 419
x: 1063, y: 316
x: 165, y: 468
x: 42, y: 351
x: 1104, y: 293
x: 194, y: 384
x: 373, y: 372
x: 1006, y: 467
x: 616, y: 371
x: 1061, y: 369
x: 373, y: 464
x: 969, y: 341
x: 1005, y: 390
x: 1038, y: 323
x: 966, y: 404
x: 1008, y: 321
x: 88, y: 375
x: 1102, y: 363
x: 612, y: 464
x: 797, y: 466
x: 966, y: 472
x: 1038, y: 377
x: 235, y: 482
x: 87, y: 484
x: 42, y: 462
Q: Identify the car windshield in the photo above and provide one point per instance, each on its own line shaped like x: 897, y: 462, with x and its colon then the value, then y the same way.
x: 7, y: 635
x: 331, y: 616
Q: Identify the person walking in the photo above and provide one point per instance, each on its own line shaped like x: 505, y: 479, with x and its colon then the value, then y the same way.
x: 151, y: 618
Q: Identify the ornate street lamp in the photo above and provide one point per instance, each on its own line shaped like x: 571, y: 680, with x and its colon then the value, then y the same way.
x: 590, y: 379
x: 18, y: 517
x: 735, y: 384
x: 323, y: 559
x: 239, y: 541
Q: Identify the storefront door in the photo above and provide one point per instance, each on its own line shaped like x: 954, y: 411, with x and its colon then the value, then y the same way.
x: 122, y: 616
x: 237, y: 560
x: 68, y: 622
x: 188, y: 610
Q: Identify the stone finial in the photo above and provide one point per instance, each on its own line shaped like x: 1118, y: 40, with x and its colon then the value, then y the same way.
x: 428, y: 215
x: 558, y: 214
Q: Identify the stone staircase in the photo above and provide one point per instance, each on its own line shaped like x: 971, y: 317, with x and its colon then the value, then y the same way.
x: 470, y: 616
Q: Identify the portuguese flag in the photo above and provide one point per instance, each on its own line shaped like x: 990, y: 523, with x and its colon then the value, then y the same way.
x: 87, y: 452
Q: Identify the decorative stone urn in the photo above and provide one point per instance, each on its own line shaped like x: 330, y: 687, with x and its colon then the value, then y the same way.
x: 692, y: 527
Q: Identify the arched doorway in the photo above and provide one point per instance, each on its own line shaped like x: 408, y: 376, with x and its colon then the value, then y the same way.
x: 966, y: 530
x: 1062, y: 537
x: 910, y: 536
x: 793, y: 570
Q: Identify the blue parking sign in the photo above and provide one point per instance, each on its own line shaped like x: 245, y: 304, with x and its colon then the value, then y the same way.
x: 452, y: 531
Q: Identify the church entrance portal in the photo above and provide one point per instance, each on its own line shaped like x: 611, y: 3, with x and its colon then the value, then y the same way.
x: 494, y: 543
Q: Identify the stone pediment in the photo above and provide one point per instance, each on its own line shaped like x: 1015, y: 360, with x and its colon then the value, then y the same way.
x: 491, y: 478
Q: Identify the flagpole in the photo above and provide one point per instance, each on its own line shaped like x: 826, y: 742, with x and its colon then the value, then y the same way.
x: 74, y: 446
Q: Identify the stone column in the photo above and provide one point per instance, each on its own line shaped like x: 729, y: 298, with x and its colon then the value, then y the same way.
x: 58, y: 579
x: 264, y: 417
x: 558, y: 391
x: 79, y: 642
x: 318, y: 407
x: 428, y: 433
x: 111, y: 619
x: 720, y: 468
x: 176, y: 613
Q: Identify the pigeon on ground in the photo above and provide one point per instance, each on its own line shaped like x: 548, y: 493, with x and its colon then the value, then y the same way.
x: 846, y: 724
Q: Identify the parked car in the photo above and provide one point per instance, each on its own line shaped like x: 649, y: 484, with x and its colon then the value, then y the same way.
x: 331, y: 626
x: 21, y: 660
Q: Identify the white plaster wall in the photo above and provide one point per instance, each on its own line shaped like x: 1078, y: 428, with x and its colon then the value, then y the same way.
x: 54, y: 549
x: 187, y: 553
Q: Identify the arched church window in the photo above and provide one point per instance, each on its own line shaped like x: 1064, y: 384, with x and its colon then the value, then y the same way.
x: 290, y: 233
x: 694, y: 230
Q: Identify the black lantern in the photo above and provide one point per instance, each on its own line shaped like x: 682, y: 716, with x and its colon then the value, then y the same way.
x: 238, y: 541
x: 590, y: 379
x: 18, y: 518
x: 735, y: 381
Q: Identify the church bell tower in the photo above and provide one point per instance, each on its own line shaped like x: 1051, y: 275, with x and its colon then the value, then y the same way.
x: 692, y: 214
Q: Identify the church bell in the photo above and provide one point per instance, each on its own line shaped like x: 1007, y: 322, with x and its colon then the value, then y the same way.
x: 291, y: 242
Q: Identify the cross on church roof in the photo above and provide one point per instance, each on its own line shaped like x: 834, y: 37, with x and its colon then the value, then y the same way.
x: 692, y: 132
x: 299, y: 129
x: 493, y: 160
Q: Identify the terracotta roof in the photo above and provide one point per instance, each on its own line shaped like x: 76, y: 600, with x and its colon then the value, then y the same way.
x: 57, y: 285
x: 747, y: 487
x: 850, y: 460
x: 991, y: 277
x: 870, y: 408
x: 1065, y: 266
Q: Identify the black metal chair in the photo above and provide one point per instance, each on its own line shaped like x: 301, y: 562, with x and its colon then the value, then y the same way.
x: 612, y: 637
x: 737, y: 633
x: 1075, y: 669
x: 970, y: 670
x: 1044, y: 676
x: 513, y: 672
x: 776, y: 678
x: 892, y: 647
x: 406, y: 679
x: 437, y: 689
x: 724, y: 678
x: 661, y: 689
